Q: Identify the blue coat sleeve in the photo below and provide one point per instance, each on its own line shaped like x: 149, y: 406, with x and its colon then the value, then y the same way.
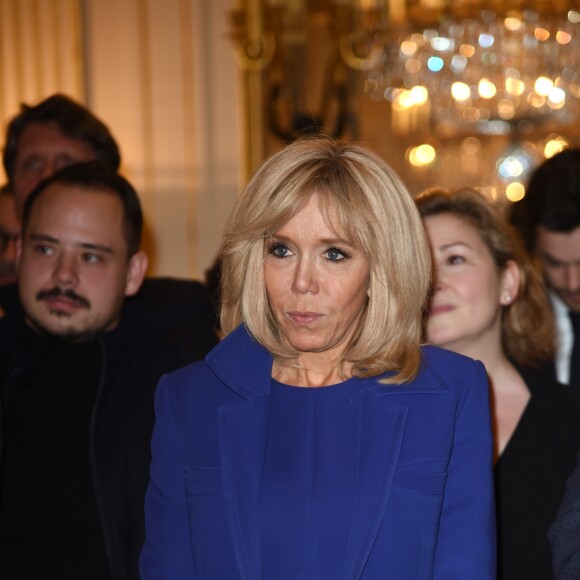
x: 167, y: 552
x: 466, y: 543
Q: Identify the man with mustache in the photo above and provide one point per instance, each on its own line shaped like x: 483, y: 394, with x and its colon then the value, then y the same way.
x: 57, y: 132
x: 78, y: 370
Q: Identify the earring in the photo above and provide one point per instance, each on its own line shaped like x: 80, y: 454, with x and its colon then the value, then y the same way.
x: 508, y: 299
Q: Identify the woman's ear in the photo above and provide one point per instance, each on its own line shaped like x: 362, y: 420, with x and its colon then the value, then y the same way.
x: 511, y: 280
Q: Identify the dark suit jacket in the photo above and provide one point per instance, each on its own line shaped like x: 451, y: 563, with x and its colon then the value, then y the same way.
x: 564, y: 534
x: 424, y: 505
x: 168, y: 324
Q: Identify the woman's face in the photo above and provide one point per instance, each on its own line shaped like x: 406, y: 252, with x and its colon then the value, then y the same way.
x: 316, y: 283
x: 465, y: 311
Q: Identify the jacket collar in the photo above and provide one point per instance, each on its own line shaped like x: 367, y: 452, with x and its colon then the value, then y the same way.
x: 242, y: 364
x: 245, y: 366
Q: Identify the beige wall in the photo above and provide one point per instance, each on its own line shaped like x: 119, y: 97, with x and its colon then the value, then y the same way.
x: 162, y: 75
x: 41, y: 49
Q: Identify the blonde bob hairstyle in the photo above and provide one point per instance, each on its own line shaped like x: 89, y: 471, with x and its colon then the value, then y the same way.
x: 527, y: 327
x: 364, y: 201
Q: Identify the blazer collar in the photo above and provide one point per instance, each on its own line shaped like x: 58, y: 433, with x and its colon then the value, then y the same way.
x: 245, y: 366
x: 242, y: 364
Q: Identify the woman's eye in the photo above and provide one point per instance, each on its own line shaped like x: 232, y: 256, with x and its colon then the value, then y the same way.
x: 335, y: 254
x: 280, y: 250
x: 454, y: 260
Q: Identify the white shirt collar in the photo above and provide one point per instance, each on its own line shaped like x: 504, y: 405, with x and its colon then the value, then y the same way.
x: 564, y: 339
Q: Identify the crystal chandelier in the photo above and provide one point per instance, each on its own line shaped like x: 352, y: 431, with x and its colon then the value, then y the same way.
x: 454, y: 92
x: 490, y: 74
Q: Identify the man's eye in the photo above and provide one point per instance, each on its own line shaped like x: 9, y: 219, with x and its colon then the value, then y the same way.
x: 44, y: 250
x: 92, y: 258
x: 30, y: 164
x: 280, y: 250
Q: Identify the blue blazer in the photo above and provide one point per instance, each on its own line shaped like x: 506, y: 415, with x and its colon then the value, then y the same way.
x: 424, y: 505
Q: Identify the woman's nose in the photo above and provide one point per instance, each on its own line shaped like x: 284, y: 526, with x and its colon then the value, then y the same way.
x: 305, y: 277
x: 438, y: 280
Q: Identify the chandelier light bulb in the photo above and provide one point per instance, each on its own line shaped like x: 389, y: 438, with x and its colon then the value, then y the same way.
x: 435, y: 63
x: 513, y: 24
x: 563, y: 37
x: 419, y: 95
x: 555, y: 146
x: 543, y: 86
x: 515, y: 191
x: 460, y: 92
x: 514, y: 87
x: 408, y: 47
x: 422, y: 156
x: 556, y: 98
x: 486, y: 89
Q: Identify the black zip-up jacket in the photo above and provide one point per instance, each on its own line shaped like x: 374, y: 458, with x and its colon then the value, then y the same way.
x: 170, y: 323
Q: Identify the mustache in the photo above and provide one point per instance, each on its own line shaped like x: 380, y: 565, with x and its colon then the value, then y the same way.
x: 57, y: 292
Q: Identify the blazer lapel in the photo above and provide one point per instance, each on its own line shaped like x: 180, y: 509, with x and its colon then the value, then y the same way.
x: 381, y: 433
x: 243, y: 431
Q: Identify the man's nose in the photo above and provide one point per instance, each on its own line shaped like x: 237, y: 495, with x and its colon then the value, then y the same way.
x: 573, y: 277
x: 66, y: 271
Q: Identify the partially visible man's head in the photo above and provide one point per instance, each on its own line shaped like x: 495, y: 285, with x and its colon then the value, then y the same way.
x: 549, y: 218
x: 79, y: 251
x: 55, y: 133
x: 9, y: 231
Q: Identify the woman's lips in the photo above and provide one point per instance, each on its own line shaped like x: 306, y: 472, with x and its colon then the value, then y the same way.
x: 440, y: 309
x: 304, y: 317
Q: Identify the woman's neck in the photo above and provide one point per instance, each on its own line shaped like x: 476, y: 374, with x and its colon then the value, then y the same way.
x: 509, y: 395
x: 487, y: 348
x: 309, y: 373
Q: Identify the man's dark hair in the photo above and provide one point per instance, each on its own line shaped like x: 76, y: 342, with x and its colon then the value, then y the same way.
x: 552, y: 197
x: 95, y: 176
x: 73, y: 119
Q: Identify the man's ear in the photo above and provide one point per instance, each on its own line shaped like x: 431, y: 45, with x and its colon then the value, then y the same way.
x: 136, y: 273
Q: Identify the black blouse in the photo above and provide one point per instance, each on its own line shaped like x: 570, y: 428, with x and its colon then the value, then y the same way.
x: 530, y: 477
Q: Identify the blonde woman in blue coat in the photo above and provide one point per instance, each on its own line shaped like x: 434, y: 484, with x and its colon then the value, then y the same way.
x: 318, y: 440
